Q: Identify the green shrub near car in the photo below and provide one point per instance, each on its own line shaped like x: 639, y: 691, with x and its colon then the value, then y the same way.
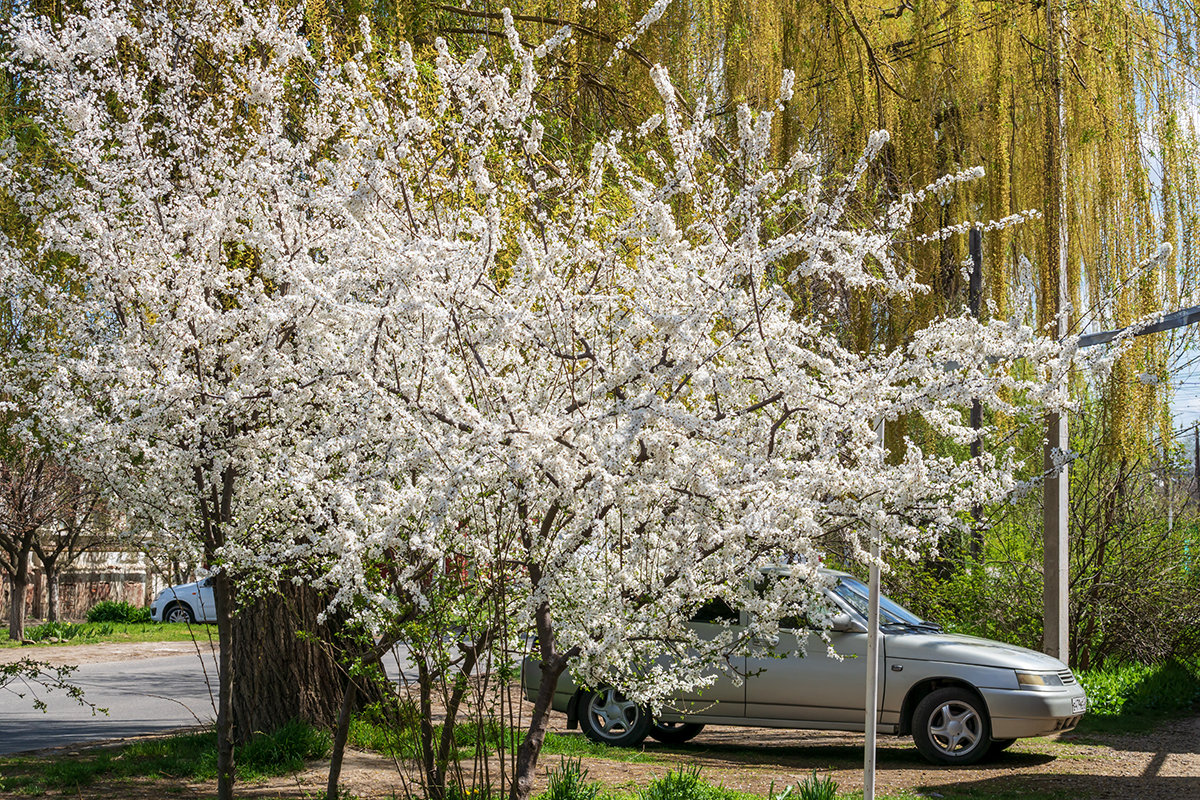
x: 114, y: 611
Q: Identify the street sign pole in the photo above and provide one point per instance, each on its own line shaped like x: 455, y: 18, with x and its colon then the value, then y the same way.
x: 872, y: 698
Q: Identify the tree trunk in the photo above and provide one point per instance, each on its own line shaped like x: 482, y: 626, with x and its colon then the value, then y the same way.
x: 339, y: 742
x: 286, y: 664
x: 51, y: 569
x: 227, y: 679
x: 16, y: 606
x: 553, y: 663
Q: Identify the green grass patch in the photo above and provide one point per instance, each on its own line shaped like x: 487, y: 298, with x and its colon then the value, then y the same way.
x: 66, y: 633
x: 368, y: 732
x: 187, y: 756
x: 1135, y: 697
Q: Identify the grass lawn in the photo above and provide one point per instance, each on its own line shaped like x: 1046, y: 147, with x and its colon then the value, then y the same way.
x: 52, y: 634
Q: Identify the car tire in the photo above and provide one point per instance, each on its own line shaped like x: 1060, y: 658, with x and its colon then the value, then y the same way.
x: 951, y: 726
x: 675, y: 732
x: 178, y: 612
x: 608, y: 717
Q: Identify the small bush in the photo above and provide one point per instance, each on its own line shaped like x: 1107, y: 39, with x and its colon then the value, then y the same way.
x: 282, y: 751
x: 811, y: 788
x: 568, y: 781
x: 1141, y: 690
x: 685, y: 784
x: 110, y: 611
x: 58, y: 631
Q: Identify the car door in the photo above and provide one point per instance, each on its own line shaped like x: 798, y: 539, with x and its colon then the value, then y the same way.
x: 207, y: 602
x: 818, y: 688
x: 724, y: 697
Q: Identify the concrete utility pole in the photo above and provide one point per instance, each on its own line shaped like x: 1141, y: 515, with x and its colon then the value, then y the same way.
x: 1056, y: 557
x: 974, y: 301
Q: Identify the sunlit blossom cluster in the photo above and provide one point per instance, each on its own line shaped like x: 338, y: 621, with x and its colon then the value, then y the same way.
x: 397, y: 328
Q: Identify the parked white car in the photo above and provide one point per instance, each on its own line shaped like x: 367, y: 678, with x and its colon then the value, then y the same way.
x: 188, y: 602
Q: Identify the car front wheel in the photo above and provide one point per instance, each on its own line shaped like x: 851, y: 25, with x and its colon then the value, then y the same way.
x: 177, y: 612
x: 607, y: 716
x: 950, y: 726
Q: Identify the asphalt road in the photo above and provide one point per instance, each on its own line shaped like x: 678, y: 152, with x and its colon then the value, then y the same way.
x: 142, y: 696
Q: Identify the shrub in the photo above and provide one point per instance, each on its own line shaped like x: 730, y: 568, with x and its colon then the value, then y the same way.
x: 61, y: 631
x: 685, y: 784
x: 569, y: 781
x: 1140, y: 689
x: 284, y: 750
x: 811, y: 788
x: 110, y: 611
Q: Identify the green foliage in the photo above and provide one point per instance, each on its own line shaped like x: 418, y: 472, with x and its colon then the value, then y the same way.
x: 569, y: 781
x: 64, y: 632
x: 685, y: 784
x: 1142, y: 690
x: 52, y: 633
x: 282, y: 751
x: 380, y: 733
x: 482, y: 792
x: 811, y: 788
x: 191, y: 756
x: 110, y: 611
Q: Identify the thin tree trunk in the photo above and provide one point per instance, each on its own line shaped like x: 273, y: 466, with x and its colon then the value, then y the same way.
x: 435, y: 779
x: 16, y: 608
x: 227, y: 679
x: 51, y: 569
x: 339, y: 741
x: 553, y: 664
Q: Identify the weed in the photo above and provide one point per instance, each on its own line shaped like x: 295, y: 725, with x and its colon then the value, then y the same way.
x: 685, y: 784
x: 569, y: 781
x: 811, y: 788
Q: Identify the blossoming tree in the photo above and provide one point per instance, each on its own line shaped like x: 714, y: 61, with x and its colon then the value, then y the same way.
x: 369, y: 316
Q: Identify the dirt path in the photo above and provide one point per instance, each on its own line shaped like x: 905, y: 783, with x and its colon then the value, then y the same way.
x: 99, y: 653
x: 1163, y: 764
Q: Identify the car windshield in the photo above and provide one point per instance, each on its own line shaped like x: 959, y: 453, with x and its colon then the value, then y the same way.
x: 855, y: 592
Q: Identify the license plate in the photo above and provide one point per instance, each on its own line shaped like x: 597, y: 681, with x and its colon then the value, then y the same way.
x: 1078, y: 705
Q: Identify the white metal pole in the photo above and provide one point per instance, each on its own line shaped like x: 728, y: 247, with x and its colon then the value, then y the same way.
x: 872, y: 698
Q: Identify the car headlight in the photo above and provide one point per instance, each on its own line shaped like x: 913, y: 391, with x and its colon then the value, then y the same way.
x: 1038, y: 679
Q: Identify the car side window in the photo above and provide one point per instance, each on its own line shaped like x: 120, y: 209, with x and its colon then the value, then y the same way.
x: 716, y: 612
x: 795, y: 623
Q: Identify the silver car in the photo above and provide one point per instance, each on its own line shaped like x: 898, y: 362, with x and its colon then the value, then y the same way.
x: 960, y: 697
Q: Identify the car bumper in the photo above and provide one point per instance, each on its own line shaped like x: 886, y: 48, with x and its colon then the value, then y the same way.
x: 1020, y: 714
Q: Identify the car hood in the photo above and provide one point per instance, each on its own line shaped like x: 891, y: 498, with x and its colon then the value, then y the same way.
x: 958, y: 649
x: 183, y: 588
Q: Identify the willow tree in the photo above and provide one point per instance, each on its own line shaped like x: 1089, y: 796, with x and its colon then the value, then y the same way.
x: 957, y: 84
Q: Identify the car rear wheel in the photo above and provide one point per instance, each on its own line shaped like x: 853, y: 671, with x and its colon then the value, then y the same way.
x: 177, y: 612
x: 675, y: 732
x: 951, y: 726
x: 607, y: 716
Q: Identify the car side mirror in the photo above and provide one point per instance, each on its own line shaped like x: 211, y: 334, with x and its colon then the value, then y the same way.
x: 844, y: 623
